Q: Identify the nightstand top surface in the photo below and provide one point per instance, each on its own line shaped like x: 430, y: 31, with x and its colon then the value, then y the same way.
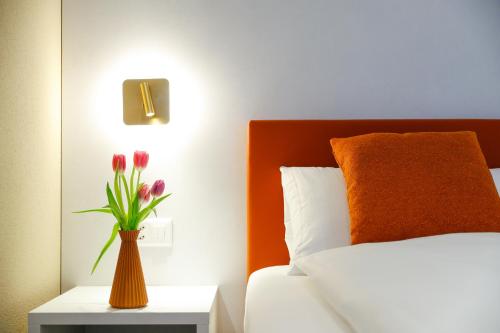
x: 164, y: 302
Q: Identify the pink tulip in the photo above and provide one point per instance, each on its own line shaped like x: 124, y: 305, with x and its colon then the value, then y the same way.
x: 144, y: 193
x: 158, y: 188
x: 141, y: 159
x: 119, y: 163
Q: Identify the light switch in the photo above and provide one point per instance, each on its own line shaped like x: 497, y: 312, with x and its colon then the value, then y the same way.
x: 156, y: 232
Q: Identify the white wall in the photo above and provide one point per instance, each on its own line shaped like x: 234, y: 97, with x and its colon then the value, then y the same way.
x: 232, y: 61
x: 30, y: 159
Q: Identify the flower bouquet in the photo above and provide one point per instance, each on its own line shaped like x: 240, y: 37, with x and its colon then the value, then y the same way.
x: 129, y: 290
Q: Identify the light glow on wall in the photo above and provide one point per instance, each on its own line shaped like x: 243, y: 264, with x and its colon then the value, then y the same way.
x: 186, y: 101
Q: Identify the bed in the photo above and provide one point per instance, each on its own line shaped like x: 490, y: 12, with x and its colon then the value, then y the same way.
x: 277, y: 302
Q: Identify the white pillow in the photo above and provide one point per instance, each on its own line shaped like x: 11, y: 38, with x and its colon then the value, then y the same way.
x: 496, y: 178
x: 316, y: 211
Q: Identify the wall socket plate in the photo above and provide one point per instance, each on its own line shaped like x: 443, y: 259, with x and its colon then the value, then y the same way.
x: 156, y: 232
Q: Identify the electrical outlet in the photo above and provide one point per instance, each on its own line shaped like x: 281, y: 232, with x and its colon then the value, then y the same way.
x: 155, y: 232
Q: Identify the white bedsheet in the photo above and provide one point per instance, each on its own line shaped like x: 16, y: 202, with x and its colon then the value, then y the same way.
x: 443, y: 284
x: 278, y: 303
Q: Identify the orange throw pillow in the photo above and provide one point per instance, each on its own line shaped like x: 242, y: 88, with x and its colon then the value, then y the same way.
x: 410, y: 185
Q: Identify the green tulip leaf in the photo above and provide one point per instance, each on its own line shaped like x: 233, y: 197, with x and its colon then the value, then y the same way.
x: 97, y: 210
x: 134, y: 213
x: 114, y: 232
x: 114, y: 206
x: 146, y: 211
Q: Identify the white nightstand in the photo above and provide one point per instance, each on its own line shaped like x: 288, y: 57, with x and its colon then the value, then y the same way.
x: 86, y: 309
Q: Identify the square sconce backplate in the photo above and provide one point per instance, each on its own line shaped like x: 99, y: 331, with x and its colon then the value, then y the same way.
x: 134, y: 111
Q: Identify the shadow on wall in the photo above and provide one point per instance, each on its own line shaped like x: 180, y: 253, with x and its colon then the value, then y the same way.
x: 224, y: 322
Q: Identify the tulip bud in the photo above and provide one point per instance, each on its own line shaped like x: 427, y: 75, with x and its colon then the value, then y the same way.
x: 119, y: 163
x: 141, y: 159
x: 144, y: 193
x: 158, y: 188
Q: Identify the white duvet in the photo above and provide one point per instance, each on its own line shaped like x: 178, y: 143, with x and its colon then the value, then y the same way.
x: 448, y: 283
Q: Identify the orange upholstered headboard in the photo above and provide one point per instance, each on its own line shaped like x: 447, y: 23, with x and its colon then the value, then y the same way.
x: 275, y: 143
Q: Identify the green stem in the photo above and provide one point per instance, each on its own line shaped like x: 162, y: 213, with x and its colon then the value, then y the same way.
x: 129, y: 200
x: 118, y: 192
x: 127, y: 192
x: 138, y: 179
x: 132, y: 191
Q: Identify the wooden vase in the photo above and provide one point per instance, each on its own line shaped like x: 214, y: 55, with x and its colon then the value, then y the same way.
x: 129, y: 289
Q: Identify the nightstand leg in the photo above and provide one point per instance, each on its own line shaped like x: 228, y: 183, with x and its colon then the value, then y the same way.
x: 34, y: 329
x: 202, y: 329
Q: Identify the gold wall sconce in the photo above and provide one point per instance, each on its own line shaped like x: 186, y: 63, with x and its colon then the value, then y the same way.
x: 145, y: 101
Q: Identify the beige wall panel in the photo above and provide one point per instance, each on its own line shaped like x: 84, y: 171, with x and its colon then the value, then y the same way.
x: 30, y: 117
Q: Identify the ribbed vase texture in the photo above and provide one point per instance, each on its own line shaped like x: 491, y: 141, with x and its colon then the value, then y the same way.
x: 129, y: 289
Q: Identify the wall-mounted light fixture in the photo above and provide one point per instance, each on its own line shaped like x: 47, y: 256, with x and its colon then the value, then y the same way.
x: 145, y: 101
